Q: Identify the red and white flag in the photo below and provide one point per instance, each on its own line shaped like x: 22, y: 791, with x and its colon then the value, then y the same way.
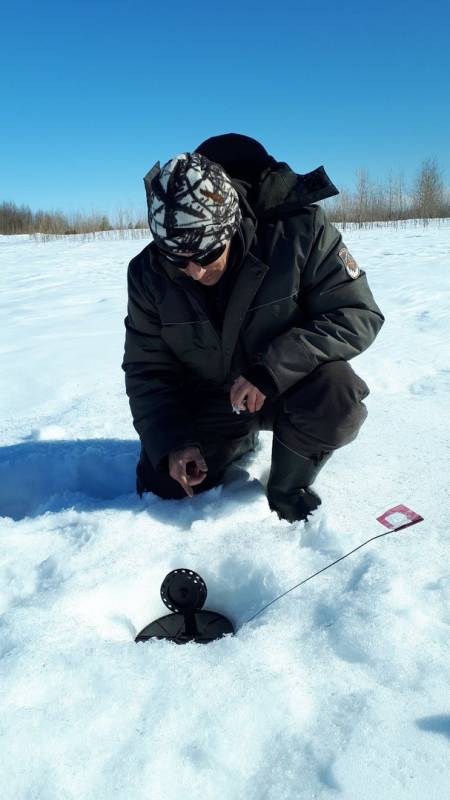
x: 399, y: 517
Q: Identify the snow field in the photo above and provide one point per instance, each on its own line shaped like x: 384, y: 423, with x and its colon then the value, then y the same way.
x: 338, y: 690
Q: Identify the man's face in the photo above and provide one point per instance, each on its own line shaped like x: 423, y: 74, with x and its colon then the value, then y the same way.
x: 211, y: 274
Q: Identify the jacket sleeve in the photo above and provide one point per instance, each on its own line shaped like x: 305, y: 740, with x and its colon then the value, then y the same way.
x: 340, y: 316
x: 152, y: 375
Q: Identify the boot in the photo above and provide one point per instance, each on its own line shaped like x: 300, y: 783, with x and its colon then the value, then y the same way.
x: 289, y: 487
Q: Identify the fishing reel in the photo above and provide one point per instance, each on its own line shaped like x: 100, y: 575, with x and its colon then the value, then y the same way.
x: 184, y: 593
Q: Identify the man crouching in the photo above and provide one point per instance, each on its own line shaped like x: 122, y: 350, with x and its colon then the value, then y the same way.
x: 242, y: 316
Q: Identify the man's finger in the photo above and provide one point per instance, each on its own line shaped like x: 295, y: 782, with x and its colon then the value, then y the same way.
x: 260, y: 402
x: 185, y: 484
x: 178, y: 473
x: 239, y: 382
x: 251, y: 402
x: 201, y: 463
x: 241, y: 394
x: 233, y: 395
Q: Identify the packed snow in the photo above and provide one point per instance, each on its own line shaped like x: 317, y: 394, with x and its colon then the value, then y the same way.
x: 341, y: 688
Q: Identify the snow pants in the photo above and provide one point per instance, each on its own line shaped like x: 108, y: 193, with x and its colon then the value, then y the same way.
x: 319, y: 414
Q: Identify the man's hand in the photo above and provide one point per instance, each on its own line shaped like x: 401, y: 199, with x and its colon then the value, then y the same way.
x: 244, y: 390
x: 188, y: 467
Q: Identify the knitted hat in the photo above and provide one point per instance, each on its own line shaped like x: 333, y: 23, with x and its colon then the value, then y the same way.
x: 192, y: 204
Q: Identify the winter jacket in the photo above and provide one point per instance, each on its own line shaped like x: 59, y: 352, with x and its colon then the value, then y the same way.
x: 298, y: 300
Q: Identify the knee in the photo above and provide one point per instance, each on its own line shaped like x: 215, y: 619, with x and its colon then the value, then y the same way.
x: 332, y: 389
x: 346, y: 391
x: 337, y: 379
x: 327, y: 405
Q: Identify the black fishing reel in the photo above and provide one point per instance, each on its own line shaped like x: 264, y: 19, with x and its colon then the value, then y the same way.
x: 184, y: 593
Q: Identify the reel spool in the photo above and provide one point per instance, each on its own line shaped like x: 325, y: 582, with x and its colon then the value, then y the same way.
x: 184, y: 593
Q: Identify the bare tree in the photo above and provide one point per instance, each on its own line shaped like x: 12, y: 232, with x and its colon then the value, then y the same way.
x: 374, y: 203
x: 362, y: 195
x: 428, y: 190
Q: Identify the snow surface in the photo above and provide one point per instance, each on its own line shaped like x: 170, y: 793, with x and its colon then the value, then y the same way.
x: 341, y: 689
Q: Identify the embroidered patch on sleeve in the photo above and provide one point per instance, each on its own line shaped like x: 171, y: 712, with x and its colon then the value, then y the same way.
x: 349, y: 262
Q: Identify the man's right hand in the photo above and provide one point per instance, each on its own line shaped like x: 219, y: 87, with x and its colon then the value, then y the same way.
x: 188, y: 467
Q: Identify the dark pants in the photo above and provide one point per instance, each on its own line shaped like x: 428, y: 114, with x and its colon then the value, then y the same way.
x: 321, y: 413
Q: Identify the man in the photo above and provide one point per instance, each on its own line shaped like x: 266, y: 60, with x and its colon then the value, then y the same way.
x: 242, y: 316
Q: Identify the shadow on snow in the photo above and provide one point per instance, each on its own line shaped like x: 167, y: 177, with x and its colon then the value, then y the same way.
x: 50, y: 476
x: 36, y: 477
x: 439, y: 723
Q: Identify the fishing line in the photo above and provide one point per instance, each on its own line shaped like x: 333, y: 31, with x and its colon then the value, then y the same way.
x: 378, y: 536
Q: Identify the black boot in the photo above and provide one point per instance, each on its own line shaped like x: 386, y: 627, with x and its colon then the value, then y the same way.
x: 289, y: 487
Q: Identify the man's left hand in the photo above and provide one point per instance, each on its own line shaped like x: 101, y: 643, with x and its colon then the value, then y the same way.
x: 242, y: 390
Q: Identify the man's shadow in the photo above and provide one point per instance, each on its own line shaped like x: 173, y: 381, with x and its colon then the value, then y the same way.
x: 40, y: 476
x: 50, y: 476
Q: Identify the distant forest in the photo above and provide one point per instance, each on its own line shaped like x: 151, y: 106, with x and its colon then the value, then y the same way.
x: 368, y: 204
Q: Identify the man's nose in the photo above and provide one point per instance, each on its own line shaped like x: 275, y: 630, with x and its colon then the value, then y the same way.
x: 195, y: 271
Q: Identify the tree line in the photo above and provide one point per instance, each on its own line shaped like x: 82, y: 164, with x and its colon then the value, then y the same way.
x: 373, y: 202
x: 16, y: 219
x: 369, y: 203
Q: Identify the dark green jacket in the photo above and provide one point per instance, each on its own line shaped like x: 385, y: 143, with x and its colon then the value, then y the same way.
x: 294, y: 305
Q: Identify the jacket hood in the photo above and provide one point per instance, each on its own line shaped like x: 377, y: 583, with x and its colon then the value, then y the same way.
x: 282, y: 191
x: 270, y: 187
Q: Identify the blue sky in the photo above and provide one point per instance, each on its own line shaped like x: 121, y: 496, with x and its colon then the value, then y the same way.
x: 94, y: 93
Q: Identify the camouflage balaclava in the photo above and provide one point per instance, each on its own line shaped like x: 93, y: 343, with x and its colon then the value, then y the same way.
x: 192, y: 204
